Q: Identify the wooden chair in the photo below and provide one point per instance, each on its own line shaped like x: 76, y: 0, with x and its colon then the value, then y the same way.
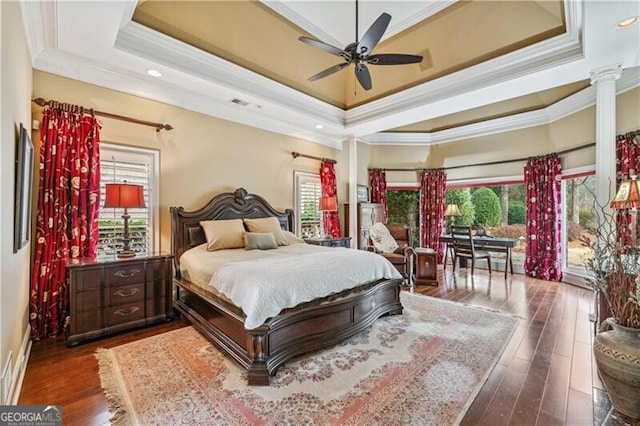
x: 463, y: 247
x: 404, y: 257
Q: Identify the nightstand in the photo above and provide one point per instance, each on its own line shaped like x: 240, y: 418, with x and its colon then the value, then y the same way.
x: 426, y: 266
x: 330, y: 242
x: 108, y: 295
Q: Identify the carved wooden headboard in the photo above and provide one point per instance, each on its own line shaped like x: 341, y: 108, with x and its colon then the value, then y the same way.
x: 186, y: 231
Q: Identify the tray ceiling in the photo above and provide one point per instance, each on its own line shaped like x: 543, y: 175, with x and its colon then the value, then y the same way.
x: 492, y: 66
x: 254, y: 36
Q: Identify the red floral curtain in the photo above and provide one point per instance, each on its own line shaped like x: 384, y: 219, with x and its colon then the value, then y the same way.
x: 542, y: 182
x: 67, y: 217
x: 627, y: 163
x: 330, y: 219
x: 378, y: 185
x: 433, y: 184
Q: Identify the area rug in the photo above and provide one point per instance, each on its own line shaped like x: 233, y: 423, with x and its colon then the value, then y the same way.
x: 423, y: 367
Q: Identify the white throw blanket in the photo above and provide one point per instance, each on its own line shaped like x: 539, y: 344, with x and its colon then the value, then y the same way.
x: 301, y: 273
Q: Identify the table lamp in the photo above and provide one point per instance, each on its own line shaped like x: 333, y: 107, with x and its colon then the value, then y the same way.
x: 327, y: 204
x: 628, y: 197
x: 124, y: 196
x: 451, y: 211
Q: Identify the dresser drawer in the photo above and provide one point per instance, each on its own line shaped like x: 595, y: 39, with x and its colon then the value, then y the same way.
x: 110, y: 294
x: 87, y: 279
x: 129, y: 293
x: 158, y: 270
x: 156, y: 307
x: 156, y: 289
x: 83, y: 322
x: 87, y: 301
x: 124, y: 274
x: 124, y: 313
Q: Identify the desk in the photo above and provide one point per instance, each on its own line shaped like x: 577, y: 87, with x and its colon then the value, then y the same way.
x: 495, y: 244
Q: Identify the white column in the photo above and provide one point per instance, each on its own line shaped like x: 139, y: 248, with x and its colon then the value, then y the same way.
x: 352, y: 142
x: 604, y: 79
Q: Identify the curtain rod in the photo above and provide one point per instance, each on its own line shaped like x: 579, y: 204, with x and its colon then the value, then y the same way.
x: 328, y: 160
x: 158, y: 126
x: 490, y: 163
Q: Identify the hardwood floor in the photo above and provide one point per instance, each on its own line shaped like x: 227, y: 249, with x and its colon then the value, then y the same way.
x: 546, y: 375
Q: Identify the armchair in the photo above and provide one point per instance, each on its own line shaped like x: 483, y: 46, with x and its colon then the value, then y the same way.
x: 395, y: 243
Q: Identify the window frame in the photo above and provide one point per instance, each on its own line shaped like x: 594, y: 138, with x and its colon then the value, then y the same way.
x: 153, y: 195
x: 300, y: 177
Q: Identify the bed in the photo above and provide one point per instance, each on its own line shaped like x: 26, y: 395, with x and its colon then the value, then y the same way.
x: 308, y: 326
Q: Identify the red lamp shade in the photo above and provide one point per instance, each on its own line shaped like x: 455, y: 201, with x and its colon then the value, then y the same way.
x: 124, y: 195
x: 328, y: 204
x: 628, y: 196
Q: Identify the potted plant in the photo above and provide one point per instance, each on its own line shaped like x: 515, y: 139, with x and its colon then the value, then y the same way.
x: 614, y: 273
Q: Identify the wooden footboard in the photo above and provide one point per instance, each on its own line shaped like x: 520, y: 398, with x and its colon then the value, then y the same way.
x: 311, y: 326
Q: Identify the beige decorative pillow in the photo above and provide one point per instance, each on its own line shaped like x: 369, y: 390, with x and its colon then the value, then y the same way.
x: 259, y: 240
x: 382, y: 239
x: 267, y: 224
x: 292, y: 238
x: 223, y: 234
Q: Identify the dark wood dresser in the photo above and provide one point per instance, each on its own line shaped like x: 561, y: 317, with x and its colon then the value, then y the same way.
x: 109, y: 295
x: 368, y: 214
x: 330, y: 242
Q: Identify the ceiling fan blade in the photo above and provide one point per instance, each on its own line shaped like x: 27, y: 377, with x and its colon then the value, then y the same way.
x: 328, y: 71
x: 323, y: 46
x: 362, y: 73
x: 373, y: 35
x: 393, y: 59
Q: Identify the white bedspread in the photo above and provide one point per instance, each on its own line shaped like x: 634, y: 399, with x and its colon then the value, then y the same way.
x: 273, y: 280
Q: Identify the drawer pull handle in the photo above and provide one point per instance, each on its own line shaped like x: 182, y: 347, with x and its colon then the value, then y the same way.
x: 125, y: 274
x: 126, y: 312
x: 123, y: 293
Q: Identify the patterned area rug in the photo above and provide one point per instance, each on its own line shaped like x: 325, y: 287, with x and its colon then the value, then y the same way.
x: 423, y: 367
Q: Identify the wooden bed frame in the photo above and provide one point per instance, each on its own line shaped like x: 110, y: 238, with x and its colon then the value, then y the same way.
x: 306, y: 327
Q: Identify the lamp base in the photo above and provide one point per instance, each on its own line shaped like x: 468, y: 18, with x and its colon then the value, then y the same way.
x: 124, y: 254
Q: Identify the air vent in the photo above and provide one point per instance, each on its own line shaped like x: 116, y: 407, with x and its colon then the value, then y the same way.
x: 239, y: 102
x: 427, y: 61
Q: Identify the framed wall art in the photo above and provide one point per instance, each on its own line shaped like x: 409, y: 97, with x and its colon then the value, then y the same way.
x: 23, y: 184
x: 362, y: 193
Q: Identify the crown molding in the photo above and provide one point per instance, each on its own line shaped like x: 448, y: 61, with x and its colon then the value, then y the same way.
x: 583, y: 99
x: 155, y: 46
x: 539, y: 57
x: 282, y: 9
x: 430, y: 8
x: 44, y: 36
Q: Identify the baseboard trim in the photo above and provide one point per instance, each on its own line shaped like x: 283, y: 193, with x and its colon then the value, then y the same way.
x: 20, y: 367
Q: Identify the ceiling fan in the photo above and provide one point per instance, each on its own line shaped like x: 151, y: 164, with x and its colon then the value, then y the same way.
x: 359, y: 53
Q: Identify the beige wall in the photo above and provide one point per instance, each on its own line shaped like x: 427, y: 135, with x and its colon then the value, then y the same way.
x: 15, y: 89
x: 572, y: 131
x: 203, y: 155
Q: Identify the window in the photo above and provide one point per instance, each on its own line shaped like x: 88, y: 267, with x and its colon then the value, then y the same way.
x: 403, y: 206
x: 579, y: 219
x: 308, y: 216
x: 137, y: 166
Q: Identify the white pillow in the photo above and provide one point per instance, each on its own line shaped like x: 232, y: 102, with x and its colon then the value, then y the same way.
x: 382, y: 239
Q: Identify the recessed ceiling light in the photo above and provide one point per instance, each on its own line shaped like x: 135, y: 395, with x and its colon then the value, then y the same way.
x: 626, y: 23
x: 319, y: 126
x: 154, y: 73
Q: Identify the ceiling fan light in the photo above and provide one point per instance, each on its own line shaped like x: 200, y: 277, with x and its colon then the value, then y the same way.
x: 627, y: 23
